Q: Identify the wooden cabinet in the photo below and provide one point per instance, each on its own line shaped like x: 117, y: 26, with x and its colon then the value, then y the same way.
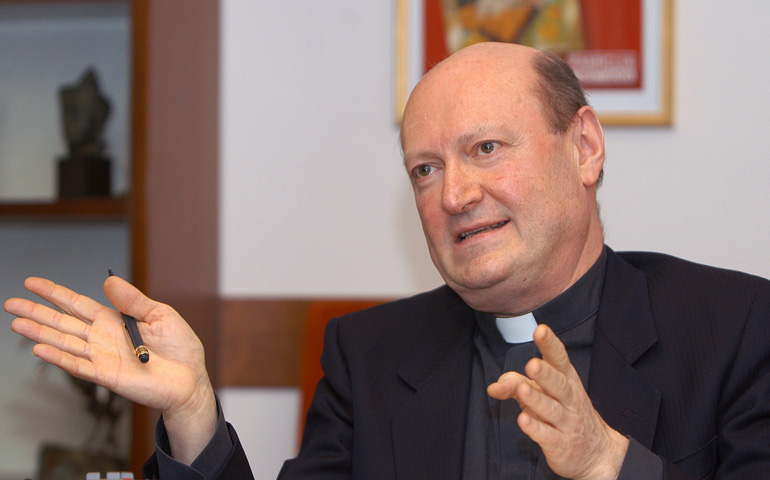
x: 171, y: 205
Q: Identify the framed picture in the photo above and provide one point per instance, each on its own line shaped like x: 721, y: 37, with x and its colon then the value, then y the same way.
x: 619, y: 49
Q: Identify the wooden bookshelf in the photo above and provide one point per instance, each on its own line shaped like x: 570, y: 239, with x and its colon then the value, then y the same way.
x: 171, y: 208
x: 99, y: 209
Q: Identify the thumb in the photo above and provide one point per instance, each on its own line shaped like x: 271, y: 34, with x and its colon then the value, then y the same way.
x: 505, y: 387
x: 128, y: 299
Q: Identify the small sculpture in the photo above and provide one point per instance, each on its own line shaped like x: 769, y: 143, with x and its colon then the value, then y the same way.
x: 85, y: 112
x: 86, y: 170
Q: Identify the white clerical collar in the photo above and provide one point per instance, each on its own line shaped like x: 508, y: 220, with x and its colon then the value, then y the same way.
x: 517, y: 329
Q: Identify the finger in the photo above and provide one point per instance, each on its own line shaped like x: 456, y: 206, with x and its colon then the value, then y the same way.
x: 129, y: 300
x: 552, y: 348
x: 554, y: 372
x: 71, y: 302
x: 72, y: 364
x: 42, y: 334
x: 551, y: 380
x: 538, y: 430
x: 507, y: 385
x: 541, y: 405
x: 43, y: 315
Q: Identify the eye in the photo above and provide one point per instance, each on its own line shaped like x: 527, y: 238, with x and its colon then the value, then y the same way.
x: 423, y: 170
x: 488, y: 147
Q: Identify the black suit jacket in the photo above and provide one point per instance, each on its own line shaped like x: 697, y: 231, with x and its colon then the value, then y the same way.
x: 680, y: 362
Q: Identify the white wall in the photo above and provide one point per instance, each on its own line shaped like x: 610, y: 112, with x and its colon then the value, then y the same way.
x: 700, y: 188
x: 314, y: 200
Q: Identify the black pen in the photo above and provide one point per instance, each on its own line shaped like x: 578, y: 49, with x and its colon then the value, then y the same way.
x: 136, y: 338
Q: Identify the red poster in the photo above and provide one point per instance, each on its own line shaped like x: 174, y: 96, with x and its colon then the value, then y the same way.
x: 601, y: 39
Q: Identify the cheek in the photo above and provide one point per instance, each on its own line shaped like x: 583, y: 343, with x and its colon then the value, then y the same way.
x: 427, y: 208
x: 435, y: 221
x: 513, y: 189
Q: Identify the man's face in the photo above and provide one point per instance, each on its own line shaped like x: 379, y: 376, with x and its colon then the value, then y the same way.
x: 500, y: 198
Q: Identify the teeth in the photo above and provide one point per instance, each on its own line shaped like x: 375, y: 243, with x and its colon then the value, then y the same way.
x: 471, y: 233
x: 465, y: 235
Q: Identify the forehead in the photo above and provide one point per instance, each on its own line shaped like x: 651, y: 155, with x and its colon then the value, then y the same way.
x: 492, y: 83
x: 471, y: 95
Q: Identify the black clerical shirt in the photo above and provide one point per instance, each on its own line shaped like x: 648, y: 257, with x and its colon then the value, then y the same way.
x: 496, y: 448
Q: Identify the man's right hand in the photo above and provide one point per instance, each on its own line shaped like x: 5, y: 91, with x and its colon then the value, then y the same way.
x: 89, y: 341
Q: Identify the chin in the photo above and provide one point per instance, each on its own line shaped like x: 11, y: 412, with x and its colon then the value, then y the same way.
x: 477, y: 280
x: 485, y: 299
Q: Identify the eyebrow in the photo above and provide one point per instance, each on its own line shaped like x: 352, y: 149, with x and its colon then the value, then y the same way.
x: 480, y: 130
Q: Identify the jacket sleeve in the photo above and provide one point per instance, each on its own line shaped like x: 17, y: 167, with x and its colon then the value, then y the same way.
x: 327, y: 444
x: 741, y: 447
x: 640, y: 463
x: 222, y: 459
x: 743, y: 442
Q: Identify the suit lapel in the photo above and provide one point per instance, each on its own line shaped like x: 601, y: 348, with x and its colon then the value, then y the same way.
x: 624, y: 332
x: 429, y: 429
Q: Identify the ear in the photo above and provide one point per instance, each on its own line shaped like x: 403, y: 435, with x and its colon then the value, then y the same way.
x: 588, y: 139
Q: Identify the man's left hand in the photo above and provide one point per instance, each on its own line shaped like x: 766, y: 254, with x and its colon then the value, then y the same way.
x: 558, y: 414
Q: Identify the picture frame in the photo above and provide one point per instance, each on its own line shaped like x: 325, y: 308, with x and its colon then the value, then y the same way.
x: 639, y: 94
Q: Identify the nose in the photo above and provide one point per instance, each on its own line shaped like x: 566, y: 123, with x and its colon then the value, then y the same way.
x: 461, y: 188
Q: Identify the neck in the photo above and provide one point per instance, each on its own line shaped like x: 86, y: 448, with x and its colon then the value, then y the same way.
x: 518, y: 297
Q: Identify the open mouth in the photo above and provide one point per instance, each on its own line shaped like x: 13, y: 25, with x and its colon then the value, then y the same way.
x: 471, y: 233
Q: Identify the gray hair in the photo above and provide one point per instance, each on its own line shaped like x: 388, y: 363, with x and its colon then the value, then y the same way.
x: 558, y: 90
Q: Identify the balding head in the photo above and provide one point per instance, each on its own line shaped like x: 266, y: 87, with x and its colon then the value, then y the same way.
x: 553, y: 82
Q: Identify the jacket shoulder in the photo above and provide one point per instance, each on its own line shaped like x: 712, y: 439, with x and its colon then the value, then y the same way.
x: 414, y: 311
x: 392, y: 329
x: 661, y: 266
x: 677, y: 284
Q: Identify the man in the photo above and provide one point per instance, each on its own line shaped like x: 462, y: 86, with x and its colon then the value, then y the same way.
x: 642, y: 366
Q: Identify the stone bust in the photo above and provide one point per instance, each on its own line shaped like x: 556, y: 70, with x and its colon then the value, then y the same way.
x: 85, y: 112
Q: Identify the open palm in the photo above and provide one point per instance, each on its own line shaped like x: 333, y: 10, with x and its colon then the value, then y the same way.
x: 88, y: 340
